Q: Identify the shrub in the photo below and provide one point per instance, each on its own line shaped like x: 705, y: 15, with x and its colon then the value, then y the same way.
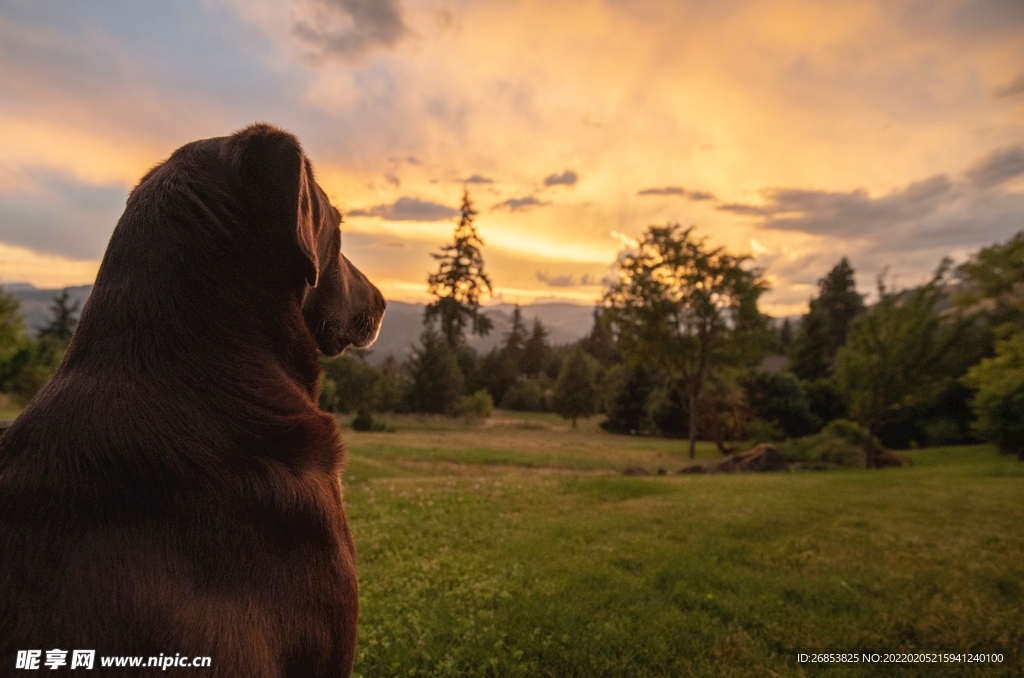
x: 479, y: 404
x: 328, y: 395
x: 761, y: 431
x: 524, y: 396
x: 841, y: 443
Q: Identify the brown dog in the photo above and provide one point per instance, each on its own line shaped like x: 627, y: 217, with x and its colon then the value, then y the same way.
x: 174, y: 490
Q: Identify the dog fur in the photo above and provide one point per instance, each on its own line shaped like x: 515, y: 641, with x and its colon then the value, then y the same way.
x: 175, y: 488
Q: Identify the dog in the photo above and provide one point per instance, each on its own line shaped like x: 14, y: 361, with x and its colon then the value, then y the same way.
x: 174, y: 491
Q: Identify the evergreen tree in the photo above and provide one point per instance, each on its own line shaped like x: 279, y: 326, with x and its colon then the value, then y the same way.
x: 515, y: 340
x: 460, y: 282
x: 823, y: 330
x: 64, y: 318
x: 575, y: 392
x: 600, y: 343
x: 785, y: 335
x: 535, y: 351
x: 436, y: 379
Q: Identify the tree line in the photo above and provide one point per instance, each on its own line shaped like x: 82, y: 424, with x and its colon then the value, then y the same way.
x: 678, y: 349
x: 27, y: 359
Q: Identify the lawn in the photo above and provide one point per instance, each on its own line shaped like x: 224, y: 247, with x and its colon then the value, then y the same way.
x: 519, y: 549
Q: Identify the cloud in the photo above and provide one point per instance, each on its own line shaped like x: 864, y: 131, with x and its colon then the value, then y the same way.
x: 677, y: 190
x: 348, y: 29
x: 997, y: 167
x: 566, y: 280
x: 516, y: 204
x: 848, y: 214
x: 1016, y: 86
x: 556, y: 280
x: 51, y: 211
x: 566, y: 178
x: 388, y: 245
x: 477, y: 179
x: 408, y: 209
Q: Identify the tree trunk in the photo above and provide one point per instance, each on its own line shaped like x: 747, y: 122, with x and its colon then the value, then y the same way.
x: 574, y: 422
x: 693, y: 424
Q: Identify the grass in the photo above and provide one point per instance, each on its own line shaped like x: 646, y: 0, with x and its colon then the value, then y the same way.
x: 519, y: 549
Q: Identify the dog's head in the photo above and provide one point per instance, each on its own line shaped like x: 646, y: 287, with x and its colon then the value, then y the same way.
x: 340, y: 306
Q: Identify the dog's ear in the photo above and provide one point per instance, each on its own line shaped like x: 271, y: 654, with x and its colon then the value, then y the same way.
x: 272, y: 165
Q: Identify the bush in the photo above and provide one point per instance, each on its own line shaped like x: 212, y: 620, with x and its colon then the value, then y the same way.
x: 841, y: 443
x: 328, y: 395
x: 524, y: 396
x: 364, y: 422
x: 761, y: 431
x: 479, y: 404
x: 353, y: 380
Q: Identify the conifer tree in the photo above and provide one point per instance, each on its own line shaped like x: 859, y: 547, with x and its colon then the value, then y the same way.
x: 823, y: 330
x: 575, y: 393
x: 460, y: 282
x: 535, y: 351
x: 437, y: 382
x: 64, y: 319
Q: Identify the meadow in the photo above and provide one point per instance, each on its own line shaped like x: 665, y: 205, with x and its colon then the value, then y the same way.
x: 518, y: 548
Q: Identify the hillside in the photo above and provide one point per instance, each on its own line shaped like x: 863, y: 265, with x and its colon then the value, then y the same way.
x: 403, y: 322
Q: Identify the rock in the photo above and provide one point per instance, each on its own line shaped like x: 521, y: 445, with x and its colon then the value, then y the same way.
x: 698, y: 467
x: 635, y: 471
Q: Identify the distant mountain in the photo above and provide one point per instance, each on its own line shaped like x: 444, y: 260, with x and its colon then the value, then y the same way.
x: 403, y: 323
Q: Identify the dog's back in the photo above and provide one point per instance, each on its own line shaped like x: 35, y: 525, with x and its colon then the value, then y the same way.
x: 174, y: 490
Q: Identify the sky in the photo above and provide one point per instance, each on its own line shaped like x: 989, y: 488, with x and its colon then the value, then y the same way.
x: 890, y: 132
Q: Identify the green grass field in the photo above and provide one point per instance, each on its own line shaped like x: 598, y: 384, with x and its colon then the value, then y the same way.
x: 519, y: 549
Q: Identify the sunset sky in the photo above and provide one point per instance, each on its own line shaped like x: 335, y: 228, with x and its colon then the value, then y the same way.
x: 891, y: 131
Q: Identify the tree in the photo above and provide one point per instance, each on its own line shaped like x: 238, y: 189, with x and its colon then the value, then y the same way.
x: 626, y: 391
x: 575, y: 392
x: 600, y: 343
x: 515, y: 340
x: 64, y: 318
x: 993, y: 281
x: 535, y: 351
x: 460, y: 282
x: 998, y: 402
x: 824, y: 328
x: 781, y: 399
x: 900, y: 358
x: 677, y: 304
x: 436, y: 379
x: 12, y: 326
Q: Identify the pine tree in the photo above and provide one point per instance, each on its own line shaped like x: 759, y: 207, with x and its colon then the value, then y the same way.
x: 460, y: 282
x: 823, y: 330
x: 64, y: 319
x: 575, y: 393
x: 535, y: 351
x: 515, y: 340
x: 437, y: 382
